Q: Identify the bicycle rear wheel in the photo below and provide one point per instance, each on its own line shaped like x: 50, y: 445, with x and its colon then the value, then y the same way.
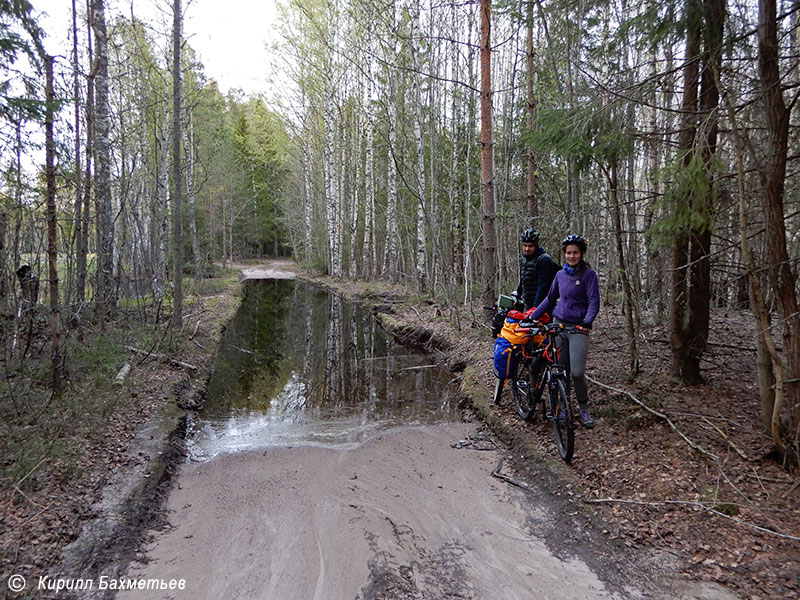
x: 561, y: 411
x: 498, y: 389
x: 522, y: 388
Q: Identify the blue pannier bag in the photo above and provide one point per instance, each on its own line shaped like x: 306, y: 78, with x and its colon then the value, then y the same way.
x: 504, y: 355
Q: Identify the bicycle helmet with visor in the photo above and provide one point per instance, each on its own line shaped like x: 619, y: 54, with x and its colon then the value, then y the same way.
x: 576, y: 239
x: 529, y: 236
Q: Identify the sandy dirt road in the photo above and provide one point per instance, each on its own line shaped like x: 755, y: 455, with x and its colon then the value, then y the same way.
x: 405, y: 515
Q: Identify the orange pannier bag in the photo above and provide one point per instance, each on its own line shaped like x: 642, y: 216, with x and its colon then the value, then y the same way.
x: 517, y: 335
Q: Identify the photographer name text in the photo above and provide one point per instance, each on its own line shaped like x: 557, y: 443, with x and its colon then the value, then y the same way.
x: 104, y: 582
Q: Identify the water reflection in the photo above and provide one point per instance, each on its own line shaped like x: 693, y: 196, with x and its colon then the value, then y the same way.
x: 300, y: 365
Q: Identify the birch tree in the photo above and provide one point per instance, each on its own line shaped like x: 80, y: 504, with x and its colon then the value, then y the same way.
x: 177, y: 193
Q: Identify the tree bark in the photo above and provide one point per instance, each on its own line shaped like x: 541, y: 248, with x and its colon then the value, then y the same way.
x: 161, y: 241
x: 416, y: 41
x: 78, y: 210
x: 685, y: 355
x: 177, y: 194
x: 487, y: 159
x: 773, y: 177
x: 187, y: 152
x: 370, y: 258
x: 392, y: 241
x: 530, y: 178
x: 83, y: 241
x: 105, y: 296
x: 52, y: 240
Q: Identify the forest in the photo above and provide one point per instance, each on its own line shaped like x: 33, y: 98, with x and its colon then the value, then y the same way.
x: 412, y: 142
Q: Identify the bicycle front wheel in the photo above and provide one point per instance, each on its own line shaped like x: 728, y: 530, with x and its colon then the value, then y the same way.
x: 563, y: 427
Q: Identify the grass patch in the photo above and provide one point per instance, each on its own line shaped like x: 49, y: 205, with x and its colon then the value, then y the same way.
x: 43, y: 433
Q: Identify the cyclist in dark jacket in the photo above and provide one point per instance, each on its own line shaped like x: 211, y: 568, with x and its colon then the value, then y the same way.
x: 536, y: 270
x: 574, y: 300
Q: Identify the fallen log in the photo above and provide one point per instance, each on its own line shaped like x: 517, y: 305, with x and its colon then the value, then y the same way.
x: 169, y: 359
x: 123, y: 373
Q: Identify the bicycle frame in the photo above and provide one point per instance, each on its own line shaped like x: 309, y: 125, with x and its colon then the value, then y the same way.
x: 555, y: 377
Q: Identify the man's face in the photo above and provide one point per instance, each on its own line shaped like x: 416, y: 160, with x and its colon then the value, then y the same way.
x: 528, y: 248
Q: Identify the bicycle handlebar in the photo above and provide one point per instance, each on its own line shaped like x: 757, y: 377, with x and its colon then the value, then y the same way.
x: 552, y: 328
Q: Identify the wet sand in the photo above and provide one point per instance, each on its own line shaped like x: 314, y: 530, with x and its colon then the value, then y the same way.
x: 405, y: 515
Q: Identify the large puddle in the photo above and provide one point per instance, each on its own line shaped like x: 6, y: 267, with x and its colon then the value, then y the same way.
x: 299, y: 365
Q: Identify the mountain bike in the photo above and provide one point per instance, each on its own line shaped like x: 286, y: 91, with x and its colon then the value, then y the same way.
x: 538, y: 369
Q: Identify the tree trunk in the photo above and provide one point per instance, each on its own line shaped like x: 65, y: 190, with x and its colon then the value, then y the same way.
x: 78, y: 210
x: 52, y: 242
x: 683, y: 367
x: 370, y: 258
x: 773, y: 177
x: 699, y: 314
x: 416, y: 41
x: 83, y: 241
x: 308, y: 207
x: 187, y: 152
x: 391, y: 167
x: 3, y: 256
x: 530, y: 180
x: 105, y: 293
x: 177, y: 194
x: 160, y: 247
x: 487, y: 159
x: 332, y: 191
x: 770, y: 370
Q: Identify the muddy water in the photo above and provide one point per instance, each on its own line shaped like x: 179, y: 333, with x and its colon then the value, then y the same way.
x: 299, y: 365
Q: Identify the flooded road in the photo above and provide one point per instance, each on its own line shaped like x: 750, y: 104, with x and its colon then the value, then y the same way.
x: 298, y: 365
x: 329, y: 463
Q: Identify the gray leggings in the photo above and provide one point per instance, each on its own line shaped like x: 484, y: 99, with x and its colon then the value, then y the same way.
x: 573, y: 357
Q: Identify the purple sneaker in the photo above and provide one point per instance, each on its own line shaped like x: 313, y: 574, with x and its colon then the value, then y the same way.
x: 586, y: 419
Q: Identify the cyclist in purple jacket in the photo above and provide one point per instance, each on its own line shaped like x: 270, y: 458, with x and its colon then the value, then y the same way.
x: 575, y: 293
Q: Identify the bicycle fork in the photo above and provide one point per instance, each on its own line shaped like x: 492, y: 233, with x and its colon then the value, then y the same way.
x: 554, y: 374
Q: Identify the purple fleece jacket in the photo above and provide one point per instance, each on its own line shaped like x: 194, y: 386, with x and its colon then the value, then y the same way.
x: 578, y: 297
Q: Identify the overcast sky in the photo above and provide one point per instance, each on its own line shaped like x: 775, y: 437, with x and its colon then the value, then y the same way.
x: 229, y: 36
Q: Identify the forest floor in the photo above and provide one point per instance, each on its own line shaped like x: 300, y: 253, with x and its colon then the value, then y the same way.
x: 732, y: 518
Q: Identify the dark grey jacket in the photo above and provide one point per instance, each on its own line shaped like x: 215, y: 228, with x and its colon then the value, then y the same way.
x: 536, y: 273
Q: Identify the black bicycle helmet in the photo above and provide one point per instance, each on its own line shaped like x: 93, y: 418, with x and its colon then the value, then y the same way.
x: 575, y: 239
x: 529, y: 236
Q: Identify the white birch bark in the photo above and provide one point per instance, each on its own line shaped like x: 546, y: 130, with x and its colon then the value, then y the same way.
x: 416, y: 49
x: 161, y: 212
x: 331, y: 191
x: 370, y: 259
x: 187, y: 153
x: 354, y: 162
x: 391, y: 173
x: 308, y: 211
x: 177, y: 196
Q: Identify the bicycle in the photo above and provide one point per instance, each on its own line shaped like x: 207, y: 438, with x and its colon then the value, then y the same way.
x: 539, y: 369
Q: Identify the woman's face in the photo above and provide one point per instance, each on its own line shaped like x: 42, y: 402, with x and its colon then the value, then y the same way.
x: 573, y: 255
